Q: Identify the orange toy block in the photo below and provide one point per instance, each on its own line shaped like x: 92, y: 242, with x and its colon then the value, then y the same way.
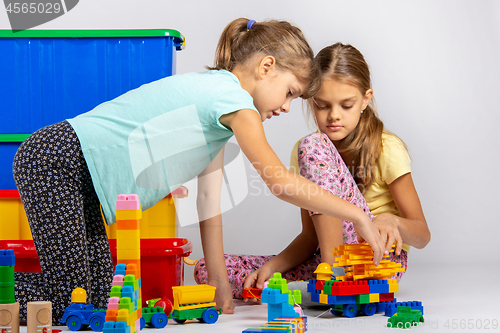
x: 128, y: 225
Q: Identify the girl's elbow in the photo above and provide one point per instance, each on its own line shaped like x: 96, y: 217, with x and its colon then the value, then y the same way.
x: 426, y: 238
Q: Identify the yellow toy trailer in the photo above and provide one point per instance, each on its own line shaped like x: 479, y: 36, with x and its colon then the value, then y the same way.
x: 194, y: 302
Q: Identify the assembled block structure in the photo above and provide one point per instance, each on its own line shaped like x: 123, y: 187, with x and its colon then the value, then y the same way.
x: 125, y: 303
x: 364, y: 286
x: 281, y: 314
x: 9, y: 308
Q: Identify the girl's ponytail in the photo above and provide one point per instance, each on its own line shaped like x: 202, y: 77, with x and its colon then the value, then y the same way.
x: 230, y: 37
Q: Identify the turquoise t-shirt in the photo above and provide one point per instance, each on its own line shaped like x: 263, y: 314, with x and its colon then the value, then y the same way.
x: 152, y: 139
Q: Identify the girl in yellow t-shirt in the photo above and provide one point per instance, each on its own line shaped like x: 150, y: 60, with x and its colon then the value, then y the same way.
x: 376, y: 175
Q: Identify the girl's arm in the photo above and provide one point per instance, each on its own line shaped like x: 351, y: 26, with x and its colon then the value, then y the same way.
x: 248, y: 130
x: 298, y: 251
x: 411, y: 226
x: 208, y: 205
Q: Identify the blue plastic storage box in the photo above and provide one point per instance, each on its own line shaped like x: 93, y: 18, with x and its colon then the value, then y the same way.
x: 52, y: 75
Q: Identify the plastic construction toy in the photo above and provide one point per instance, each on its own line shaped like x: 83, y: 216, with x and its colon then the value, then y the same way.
x: 194, y: 302
x: 252, y: 293
x: 79, y: 315
x: 405, y: 318
x: 364, y: 288
x: 9, y: 308
x: 285, y: 325
x: 280, y: 300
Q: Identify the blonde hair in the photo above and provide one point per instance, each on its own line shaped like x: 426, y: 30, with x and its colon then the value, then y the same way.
x: 344, y: 63
x: 279, y: 39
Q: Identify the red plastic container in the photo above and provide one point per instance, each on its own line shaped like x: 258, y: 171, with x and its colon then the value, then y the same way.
x: 162, y: 263
x: 26, y: 257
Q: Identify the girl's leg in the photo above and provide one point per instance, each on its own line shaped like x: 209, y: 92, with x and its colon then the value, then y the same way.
x: 65, y: 221
x: 321, y: 163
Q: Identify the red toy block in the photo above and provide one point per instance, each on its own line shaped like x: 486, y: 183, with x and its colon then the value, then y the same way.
x: 252, y: 293
x: 359, y: 287
x: 386, y: 297
x: 9, y: 194
x: 127, y: 202
x: 320, y: 284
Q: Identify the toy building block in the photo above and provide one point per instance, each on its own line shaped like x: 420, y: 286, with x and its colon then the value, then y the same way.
x: 9, y: 318
x: 386, y: 297
x: 280, y: 300
x: 127, y: 202
x: 252, y: 293
x: 405, y: 317
x: 39, y: 317
x: 378, y: 286
x: 359, y: 287
x: 9, y: 308
x: 323, y: 272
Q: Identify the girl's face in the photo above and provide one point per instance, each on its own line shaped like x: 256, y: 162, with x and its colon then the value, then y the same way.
x: 273, y: 94
x: 337, y: 108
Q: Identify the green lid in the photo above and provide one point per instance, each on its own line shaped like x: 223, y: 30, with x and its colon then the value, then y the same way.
x: 13, y: 137
x: 94, y: 34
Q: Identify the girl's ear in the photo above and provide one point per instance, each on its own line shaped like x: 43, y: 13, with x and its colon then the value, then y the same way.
x: 367, y: 98
x: 266, y: 66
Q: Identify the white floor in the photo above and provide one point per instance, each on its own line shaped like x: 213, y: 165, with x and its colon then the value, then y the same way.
x: 462, y: 298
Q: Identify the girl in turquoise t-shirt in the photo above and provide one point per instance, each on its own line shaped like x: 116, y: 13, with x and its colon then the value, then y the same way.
x: 61, y: 187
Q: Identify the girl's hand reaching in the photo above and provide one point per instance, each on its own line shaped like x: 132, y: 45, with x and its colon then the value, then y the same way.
x: 223, y: 296
x: 387, y: 224
x: 371, y: 234
x: 257, y: 278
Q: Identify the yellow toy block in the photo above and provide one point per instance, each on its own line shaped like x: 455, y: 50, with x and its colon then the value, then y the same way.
x: 323, y: 298
x: 374, y: 298
x: 128, y: 254
x: 393, y: 285
x: 128, y: 239
x: 123, y: 315
x: 129, y: 214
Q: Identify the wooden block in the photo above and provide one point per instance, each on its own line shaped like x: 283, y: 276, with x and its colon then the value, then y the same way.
x: 39, y: 317
x: 9, y: 318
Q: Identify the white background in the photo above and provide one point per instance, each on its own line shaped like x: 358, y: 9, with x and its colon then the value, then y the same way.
x: 436, y: 76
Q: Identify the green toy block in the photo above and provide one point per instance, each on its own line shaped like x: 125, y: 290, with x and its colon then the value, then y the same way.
x: 152, y: 302
x: 277, y: 282
x: 116, y: 291
x: 126, y: 303
x: 130, y: 280
x: 294, y: 297
x: 363, y: 299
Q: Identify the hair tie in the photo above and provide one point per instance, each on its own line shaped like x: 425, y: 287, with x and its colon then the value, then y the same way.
x: 250, y: 24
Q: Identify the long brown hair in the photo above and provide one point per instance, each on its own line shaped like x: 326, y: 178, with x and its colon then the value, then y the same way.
x: 279, y: 39
x: 361, y: 148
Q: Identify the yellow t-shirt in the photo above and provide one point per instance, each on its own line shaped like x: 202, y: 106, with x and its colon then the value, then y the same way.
x: 393, y: 162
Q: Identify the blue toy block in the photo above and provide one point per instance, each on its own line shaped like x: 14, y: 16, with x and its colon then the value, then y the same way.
x: 378, y: 286
x: 121, y: 327
x: 273, y: 296
x: 128, y: 291
x: 392, y: 308
x: 344, y: 299
x: 7, y: 258
x: 315, y: 297
x: 109, y: 327
x: 382, y: 305
x: 120, y: 269
x: 311, y: 286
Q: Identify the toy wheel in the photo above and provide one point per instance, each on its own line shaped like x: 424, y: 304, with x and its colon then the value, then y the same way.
x: 165, y: 304
x: 180, y: 321
x: 159, y: 320
x: 74, y: 323
x: 97, y: 323
x: 350, y: 310
x: 336, y: 313
x: 368, y: 309
x: 210, y: 316
x: 142, y: 323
